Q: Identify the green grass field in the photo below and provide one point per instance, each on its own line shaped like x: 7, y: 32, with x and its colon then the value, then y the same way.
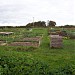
x: 36, y: 61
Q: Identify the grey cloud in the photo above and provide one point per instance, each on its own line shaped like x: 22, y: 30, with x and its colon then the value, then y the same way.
x: 22, y: 11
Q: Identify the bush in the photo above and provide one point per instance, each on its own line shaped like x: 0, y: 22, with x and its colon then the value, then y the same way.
x: 71, y: 35
x: 23, y: 66
x: 28, y: 66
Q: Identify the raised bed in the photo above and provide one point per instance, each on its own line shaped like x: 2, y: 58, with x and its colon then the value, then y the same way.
x: 28, y: 41
x: 6, y: 33
x: 56, y: 41
x: 35, y: 44
x: 32, y: 39
x: 2, y: 42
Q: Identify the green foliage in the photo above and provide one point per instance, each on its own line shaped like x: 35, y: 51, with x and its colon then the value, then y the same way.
x: 27, y: 66
x: 37, y: 61
x: 36, y: 24
x: 51, y: 23
x: 22, y: 66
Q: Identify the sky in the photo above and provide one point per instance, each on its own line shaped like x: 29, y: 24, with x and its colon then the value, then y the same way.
x: 21, y: 12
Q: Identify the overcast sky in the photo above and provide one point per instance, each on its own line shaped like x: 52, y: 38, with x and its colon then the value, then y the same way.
x: 21, y: 12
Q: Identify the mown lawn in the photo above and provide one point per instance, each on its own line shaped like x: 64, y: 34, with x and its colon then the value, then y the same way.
x: 40, y: 61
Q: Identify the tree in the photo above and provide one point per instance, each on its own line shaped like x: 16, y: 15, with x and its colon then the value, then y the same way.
x: 51, y: 23
x: 37, y: 24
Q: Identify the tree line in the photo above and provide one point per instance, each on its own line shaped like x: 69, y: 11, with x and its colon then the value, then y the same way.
x: 40, y: 24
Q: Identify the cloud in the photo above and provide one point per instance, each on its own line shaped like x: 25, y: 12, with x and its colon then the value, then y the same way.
x: 22, y: 12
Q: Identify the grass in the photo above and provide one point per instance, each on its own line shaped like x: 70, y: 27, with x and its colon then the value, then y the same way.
x: 52, y: 60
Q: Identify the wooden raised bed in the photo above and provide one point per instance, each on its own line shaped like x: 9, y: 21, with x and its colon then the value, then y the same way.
x: 35, y: 44
x: 2, y: 42
x: 56, y: 41
x: 6, y: 33
x: 33, y: 41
